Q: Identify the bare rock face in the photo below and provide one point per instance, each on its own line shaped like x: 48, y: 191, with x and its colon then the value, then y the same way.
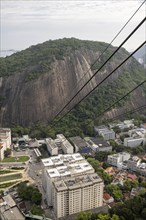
x: 40, y: 99
x: 24, y: 102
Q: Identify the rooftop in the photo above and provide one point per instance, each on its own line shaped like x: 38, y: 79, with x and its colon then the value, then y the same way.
x: 77, y: 182
x: 71, y: 170
x: 62, y: 159
x: 100, y: 142
x: 78, y: 141
x: 51, y: 143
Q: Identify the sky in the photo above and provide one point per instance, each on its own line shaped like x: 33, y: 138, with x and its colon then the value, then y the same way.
x: 29, y: 22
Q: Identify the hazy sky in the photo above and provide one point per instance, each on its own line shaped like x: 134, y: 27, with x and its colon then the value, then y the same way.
x: 26, y: 23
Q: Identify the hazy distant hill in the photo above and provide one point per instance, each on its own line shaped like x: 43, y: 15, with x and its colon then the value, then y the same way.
x: 141, y: 54
x: 37, y: 82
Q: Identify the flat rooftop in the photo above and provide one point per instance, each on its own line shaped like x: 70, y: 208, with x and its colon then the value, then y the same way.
x: 77, y: 182
x: 71, y: 170
x: 78, y: 141
x: 12, y: 213
x: 9, y: 200
x: 62, y: 159
x: 100, y: 142
x: 50, y: 142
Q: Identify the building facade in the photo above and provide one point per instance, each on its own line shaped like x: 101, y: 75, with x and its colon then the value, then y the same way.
x: 5, y: 136
x: 73, y: 195
x: 71, y: 184
x: 116, y: 159
x: 133, y: 142
x: 65, y: 144
x: 51, y: 147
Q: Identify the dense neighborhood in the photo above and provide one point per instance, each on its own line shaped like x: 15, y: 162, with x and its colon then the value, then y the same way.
x: 48, y: 177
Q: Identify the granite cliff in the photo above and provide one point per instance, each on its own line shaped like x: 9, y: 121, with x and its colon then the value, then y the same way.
x: 37, y: 82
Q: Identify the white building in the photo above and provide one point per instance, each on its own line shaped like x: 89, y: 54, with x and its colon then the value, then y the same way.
x: 5, y: 136
x: 2, y: 149
x: 76, y: 194
x: 65, y: 144
x: 129, y: 123
x: 133, y: 163
x: 106, y: 133
x: 94, y: 147
x: 71, y: 185
x: 117, y: 159
x: 51, y: 146
x: 98, y: 144
x: 133, y: 142
x: 137, y: 132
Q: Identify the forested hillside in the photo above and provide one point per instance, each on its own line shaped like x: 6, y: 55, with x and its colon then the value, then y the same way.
x: 36, y: 83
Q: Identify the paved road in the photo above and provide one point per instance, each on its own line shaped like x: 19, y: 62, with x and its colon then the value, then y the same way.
x: 13, y: 164
x: 35, y: 172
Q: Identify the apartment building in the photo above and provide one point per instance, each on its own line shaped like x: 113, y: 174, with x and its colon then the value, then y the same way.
x: 116, y: 159
x: 73, y: 195
x: 105, y: 132
x: 133, y: 163
x: 71, y: 184
x: 134, y: 142
x: 65, y: 144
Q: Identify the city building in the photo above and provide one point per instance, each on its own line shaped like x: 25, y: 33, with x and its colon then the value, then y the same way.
x: 76, y: 194
x: 129, y: 123
x: 102, y: 144
x: 105, y: 132
x: 94, y: 147
x: 65, y: 144
x: 5, y: 136
x: 71, y: 184
x: 133, y: 163
x: 118, y: 159
x: 133, y: 142
x: 107, y: 198
x: 137, y: 132
x: 51, y: 146
x: 9, y: 210
x: 80, y: 144
x: 2, y: 149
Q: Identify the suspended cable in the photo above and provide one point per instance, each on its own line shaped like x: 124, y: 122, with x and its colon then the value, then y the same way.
x: 110, y: 43
x: 102, y: 113
x: 104, y: 79
x: 127, y: 38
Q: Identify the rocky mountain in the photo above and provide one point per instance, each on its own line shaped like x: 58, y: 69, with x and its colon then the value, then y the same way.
x: 36, y: 83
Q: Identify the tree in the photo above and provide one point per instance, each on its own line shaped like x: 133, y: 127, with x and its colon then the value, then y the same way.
x: 127, y: 185
x: 94, y: 163
x: 29, y: 193
x: 107, y: 178
x: 105, y: 165
x: 104, y: 216
x: 102, y: 156
x: 37, y: 210
x: 7, y: 152
x: 115, y: 191
x: 83, y: 216
x: 36, y: 197
x: 143, y: 213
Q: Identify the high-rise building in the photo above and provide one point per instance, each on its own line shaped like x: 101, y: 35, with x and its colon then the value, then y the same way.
x: 71, y: 184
